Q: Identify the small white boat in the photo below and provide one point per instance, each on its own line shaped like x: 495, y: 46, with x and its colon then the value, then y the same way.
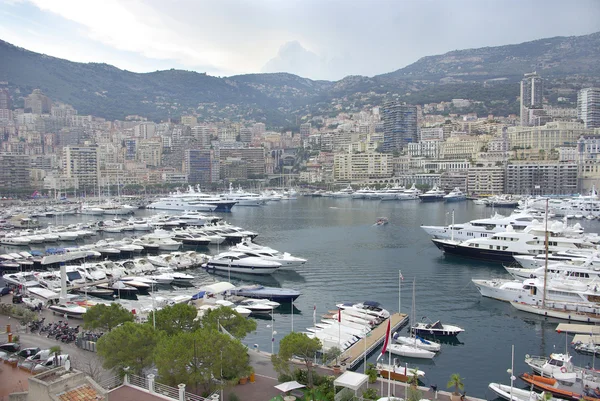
x: 259, y: 305
x: 518, y: 394
x: 419, y: 343
x: 410, y: 351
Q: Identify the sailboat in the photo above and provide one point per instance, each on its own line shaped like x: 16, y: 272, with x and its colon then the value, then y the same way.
x: 570, y: 311
x: 409, y: 346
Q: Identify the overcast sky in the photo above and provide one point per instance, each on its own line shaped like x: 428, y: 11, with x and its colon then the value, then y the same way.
x: 319, y: 39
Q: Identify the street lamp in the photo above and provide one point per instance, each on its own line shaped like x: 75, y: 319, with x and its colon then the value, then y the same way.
x: 273, y: 332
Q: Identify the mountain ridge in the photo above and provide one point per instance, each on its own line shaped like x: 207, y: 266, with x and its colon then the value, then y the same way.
x: 279, y: 98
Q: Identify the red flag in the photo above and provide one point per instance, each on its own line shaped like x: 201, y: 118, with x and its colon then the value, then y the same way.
x: 387, y: 339
x: 339, y: 315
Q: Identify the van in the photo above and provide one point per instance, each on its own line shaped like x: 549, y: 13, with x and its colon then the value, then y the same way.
x: 51, y: 363
x: 40, y: 356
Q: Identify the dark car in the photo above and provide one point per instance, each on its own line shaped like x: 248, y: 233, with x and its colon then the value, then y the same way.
x: 4, y: 291
x: 10, y: 347
x: 27, y: 352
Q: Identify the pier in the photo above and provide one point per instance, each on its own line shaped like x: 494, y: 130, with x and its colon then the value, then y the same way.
x: 572, y: 328
x: 356, y: 353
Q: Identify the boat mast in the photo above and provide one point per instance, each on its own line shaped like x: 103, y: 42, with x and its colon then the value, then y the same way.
x: 546, y: 261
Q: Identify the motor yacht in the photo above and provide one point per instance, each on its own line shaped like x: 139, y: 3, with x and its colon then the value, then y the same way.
x: 262, y: 292
x: 68, y: 309
x: 163, y: 239
x: 435, y: 194
x: 182, y: 203
x: 21, y: 279
x: 259, y: 305
x: 501, y: 247
x: 238, y: 262
x: 188, y: 238
x: 456, y: 195
x: 410, y: 351
x: 560, y: 292
x: 284, y: 259
x: 435, y: 329
x: 481, y: 227
x: 343, y: 193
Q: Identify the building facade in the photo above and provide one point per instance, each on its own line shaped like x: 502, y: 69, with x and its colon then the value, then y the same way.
x: 532, y: 95
x: 81, y: 163
x: 588, y: 107
x: 541, y: 178
x: 399, y: 126
x: 485, y: 181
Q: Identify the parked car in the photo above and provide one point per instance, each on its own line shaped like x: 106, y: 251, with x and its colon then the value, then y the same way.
x: 10, y: 347
x: 51, y: 362
x: 4, y: 291
x: 27, y: 352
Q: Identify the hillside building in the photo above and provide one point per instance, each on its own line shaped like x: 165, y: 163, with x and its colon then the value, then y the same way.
x: 588, y: 107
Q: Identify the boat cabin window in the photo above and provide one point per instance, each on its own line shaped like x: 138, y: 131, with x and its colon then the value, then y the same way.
x: 555, y: 362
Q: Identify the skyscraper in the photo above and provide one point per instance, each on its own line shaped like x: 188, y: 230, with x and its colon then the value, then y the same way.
x: 588, y: 107
x: 399, y: 126
x: 532, y: 95
x: 81, y: 162
x: 197, y: 164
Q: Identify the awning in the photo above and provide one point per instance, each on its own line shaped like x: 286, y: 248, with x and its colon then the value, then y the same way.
x: 289, y: 386
x: 351, y: 380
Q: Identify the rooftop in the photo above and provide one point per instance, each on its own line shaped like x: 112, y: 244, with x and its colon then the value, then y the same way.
x: 81, y: 393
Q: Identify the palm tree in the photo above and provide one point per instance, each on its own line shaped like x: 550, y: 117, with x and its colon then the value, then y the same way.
x: 456, y: 382
x: 413, y: 380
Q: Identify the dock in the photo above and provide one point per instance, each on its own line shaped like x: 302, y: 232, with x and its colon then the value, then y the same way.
x: 356, y: 353
x: 578, y: 328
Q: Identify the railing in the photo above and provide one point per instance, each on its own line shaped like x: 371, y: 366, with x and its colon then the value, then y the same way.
x: 111, y: 383
x: 148, y: 384
x: 168, y: 391
x: 138, y: 381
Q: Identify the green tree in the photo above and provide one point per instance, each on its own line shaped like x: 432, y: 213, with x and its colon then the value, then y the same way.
x: 201, y: 358
x: 237, y: 325
x: 130, y: 345
x: 106, y: 317
x: 175, y: 319
x: 456, y: 382
x: 300, y: 346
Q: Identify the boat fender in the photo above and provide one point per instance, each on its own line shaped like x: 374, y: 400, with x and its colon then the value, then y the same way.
x: 563, y: 369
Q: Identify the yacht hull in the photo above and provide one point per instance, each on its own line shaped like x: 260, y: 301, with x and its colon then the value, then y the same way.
x: 490, y: 255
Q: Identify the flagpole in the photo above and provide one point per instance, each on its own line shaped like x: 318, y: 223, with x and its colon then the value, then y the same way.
x: 399, y: 291
x: 389, y: 370
x: 292, y: 315
x: 339, y: 329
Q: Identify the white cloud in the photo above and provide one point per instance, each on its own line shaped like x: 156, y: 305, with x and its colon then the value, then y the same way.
x: 336, y: 37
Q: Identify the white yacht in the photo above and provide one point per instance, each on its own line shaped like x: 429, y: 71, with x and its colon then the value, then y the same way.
x: 343, y: 193
x: 435, y: 194
x: 163, y: 239
x: 243, y: 198
x: 481, y: 227
x: 391, y: 193
x: 560, y: 292
x: 237, y: 262
x: 577, y: 257
x: 455, y: 195
x: 185, y: 203
x: 501, y: 247
x: 583, y: 272
x: 412, y: 193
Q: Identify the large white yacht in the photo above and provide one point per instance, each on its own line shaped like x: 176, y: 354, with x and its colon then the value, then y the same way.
x: 237, y: 262
x: 194, y: 200
x: 560, y: 292
x: 243, y: 198
x: 481, y: 227
x: 435, y: 194
x: 456, y: 195
x: 501, y: 247
x: 343, y: 193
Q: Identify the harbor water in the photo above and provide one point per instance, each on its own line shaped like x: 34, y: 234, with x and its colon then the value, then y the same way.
x: 351, y: 259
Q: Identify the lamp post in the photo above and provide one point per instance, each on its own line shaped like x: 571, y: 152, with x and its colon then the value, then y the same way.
x: 273, y: 332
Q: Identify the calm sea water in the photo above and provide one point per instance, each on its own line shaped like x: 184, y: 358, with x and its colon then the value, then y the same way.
x: 350, y: 259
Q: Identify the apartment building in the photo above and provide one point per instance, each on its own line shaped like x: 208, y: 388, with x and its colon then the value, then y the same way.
x: 81, y: 163
x: 361, y: 166
x: 547, y: 137
x: 485, y: 180
x: 14, y: 171
x: 541, y: 178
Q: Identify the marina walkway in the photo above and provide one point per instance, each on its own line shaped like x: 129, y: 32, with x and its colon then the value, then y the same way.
x: 356, y: 353
x: 577, y: 328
